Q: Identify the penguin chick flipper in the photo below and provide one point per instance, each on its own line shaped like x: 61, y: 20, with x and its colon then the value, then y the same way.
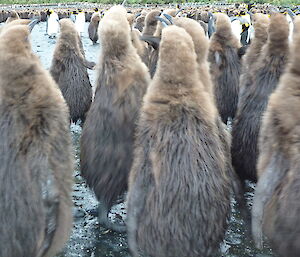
x: 264, y: 190
x: 105, y: 222
x: 51, y: 202
x: 89, y: 65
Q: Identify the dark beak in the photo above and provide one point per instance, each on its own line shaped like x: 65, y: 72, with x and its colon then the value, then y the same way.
x: 162, y: 20
x: 291, y: 13
x: 169, y: 18
x: 32, y: 24
x: 179, y: 11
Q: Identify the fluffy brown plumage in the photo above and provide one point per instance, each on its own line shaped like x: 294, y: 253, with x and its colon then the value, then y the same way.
x: 35, y: 153
x: 93, y: 27
x: 141, y: 46
x: 151, y: 23
x: 159, y: 27
x: 69, y: 70
x: 13, y: 16
x: 201, y: 45
x: 266, y: 74
x: 107, y: 136
x: 276, y: 203
x: 178, y: 162
x: 225, y: 66
x: 139, y: 23
x: 148, y: 32
x: 15, y: 22
x: 260, y: 23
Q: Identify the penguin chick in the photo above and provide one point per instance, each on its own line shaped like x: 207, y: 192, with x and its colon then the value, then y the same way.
x: 140, y: 45
x: 13, y: 16
x: 108, y: 133
x: 151, y: 23
x: 69, y: 70
x: 266, y: 74
x: 261, y: 23
x: 35, y: 153
x: 225, y: 66
x: 178, y: 164
x: 93, y: 27
x: 276, y: 207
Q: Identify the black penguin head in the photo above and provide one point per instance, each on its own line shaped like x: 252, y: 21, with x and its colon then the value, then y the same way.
x: 250, y: 6
x: 244, y: 34
x: 245, y: 27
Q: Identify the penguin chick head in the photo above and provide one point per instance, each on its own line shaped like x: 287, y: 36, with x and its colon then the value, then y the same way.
x: 114, y: 30
x: 15, y: 40
x: 68, y: 31
x: 223, y: 25
x: 177, y: 57
x: 197, y: 33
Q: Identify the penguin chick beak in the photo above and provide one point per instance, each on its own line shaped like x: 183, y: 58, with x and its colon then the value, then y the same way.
x: 32, y: 24
x: 179, y: 11
x: 169, y: 18
x: 162, y: 20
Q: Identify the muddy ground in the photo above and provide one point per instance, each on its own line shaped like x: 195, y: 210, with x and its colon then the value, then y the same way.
x: 88, y: 239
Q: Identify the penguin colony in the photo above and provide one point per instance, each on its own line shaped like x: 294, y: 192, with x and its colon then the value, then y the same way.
x: 168, y: 82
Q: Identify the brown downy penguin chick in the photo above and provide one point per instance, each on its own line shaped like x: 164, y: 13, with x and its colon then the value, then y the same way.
x: 260, y: 23
x: 69, y: 70
x: 107, y: 136
x: 35, y: 153
x: 130, y: 18
x: 204, y: 16
x: 201, y: 44
x: 266, y: 74
x: 93, y: 27
x: 16, y: 22
x: 225, y: 66
x: 139, y: 23
x: 154, y: 42
x: 204, y: 26
x: 13, y: 16
x: 178, y: 162
x: 276, y: 203
x: 151, y: 23
x: 148, y: 31
x: 159, y: 27
x: 141, y: 46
